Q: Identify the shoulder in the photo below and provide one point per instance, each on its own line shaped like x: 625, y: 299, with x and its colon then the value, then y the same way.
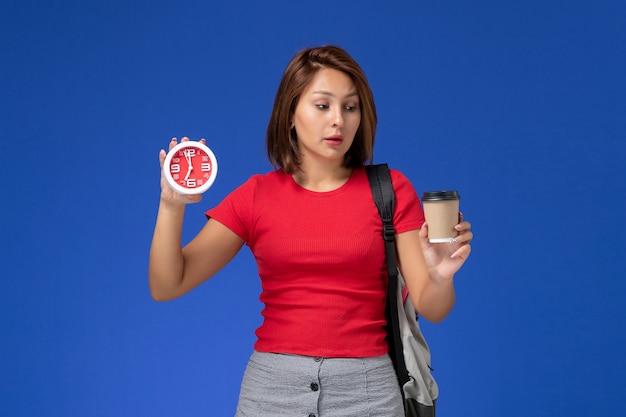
x: 260, y: 187
x: 272, y: 176
x: 240, y: 205
x: 399, y: 180
x: 396, y: 174
x: 268, y: 179
x: 408, y: 214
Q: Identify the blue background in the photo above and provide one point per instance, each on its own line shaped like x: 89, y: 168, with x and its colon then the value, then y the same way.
x: 520, y: 105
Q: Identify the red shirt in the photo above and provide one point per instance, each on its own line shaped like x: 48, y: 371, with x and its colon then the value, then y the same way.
x: 321, y: 260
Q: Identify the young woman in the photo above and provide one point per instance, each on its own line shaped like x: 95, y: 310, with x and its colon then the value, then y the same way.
x: 317, y: 238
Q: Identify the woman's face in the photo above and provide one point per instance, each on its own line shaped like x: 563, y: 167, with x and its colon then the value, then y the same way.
x: 327, y: 117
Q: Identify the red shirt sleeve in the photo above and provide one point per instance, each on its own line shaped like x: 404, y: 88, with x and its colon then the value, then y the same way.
x: 235, y: 211
x: 408, y: 214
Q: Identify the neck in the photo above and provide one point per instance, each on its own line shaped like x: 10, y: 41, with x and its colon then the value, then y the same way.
x: 322, y: 178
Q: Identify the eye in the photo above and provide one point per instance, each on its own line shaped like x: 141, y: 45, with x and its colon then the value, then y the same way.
x: 322, y: 106
x: 352, y: 108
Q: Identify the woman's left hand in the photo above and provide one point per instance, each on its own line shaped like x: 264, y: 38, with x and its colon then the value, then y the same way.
x: 443, y: 260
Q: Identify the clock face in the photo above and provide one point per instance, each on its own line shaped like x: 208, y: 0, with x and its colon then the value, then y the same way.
x: 190, y: 168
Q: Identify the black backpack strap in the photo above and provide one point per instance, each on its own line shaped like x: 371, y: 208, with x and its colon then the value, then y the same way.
x: 385, y: 199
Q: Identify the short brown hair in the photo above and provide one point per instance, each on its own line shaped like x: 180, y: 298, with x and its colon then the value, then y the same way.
x: 282, y: 144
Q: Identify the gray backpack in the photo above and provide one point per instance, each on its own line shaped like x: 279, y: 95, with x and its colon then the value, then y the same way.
x: 408, y: 349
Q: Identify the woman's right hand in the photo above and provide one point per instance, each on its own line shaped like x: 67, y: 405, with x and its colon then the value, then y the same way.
x: 168, y: 195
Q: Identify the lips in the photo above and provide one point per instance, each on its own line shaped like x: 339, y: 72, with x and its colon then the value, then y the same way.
x: 334, y: 139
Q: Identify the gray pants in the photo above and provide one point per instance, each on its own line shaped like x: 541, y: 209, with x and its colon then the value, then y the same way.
x: 276, y: 385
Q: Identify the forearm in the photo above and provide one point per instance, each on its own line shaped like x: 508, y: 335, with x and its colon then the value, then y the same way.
x: 166, y: 263
x: 437, y: 299
x: 437, y: 295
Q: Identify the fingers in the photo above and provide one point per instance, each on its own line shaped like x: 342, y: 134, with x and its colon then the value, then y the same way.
x: 424, y: 231
x: 463, y: 224
x: 462, y: 253
x: 173, y: 143
x: 193, y: 198
x: 463, y: 229
x: 162, y: 155
x: 463, y: 239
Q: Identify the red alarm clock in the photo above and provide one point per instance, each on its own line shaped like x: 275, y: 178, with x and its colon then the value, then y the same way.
x: 190, y: 167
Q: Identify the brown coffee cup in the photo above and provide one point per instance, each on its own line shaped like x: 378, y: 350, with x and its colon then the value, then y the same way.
x: 441, y: 209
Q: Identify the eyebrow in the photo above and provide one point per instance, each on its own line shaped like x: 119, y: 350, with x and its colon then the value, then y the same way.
x: 328, y: 93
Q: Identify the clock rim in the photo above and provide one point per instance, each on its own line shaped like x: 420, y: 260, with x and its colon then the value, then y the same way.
x: 174, y: 184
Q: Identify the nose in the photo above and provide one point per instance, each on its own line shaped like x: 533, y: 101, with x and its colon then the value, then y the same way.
x: 338, y: 117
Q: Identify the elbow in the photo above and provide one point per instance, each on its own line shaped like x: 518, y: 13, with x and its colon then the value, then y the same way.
x: 162, y: 287
x: 159, y: 297
x: 435, y: 319
x: 160, y: 294
x: 436, y: 315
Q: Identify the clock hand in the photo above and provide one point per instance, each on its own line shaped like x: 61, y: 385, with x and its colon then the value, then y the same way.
x: 189, y: 166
